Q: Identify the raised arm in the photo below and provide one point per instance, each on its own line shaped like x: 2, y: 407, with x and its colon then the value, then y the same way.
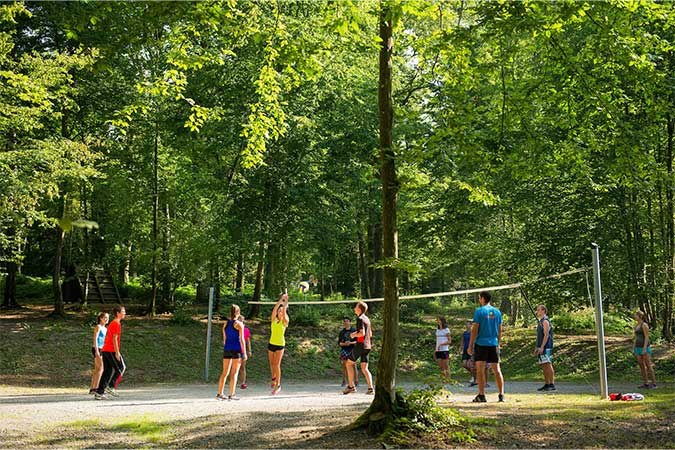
x: 283, y: 300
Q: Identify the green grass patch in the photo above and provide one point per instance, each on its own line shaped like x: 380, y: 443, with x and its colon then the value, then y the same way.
x: 145, y: 427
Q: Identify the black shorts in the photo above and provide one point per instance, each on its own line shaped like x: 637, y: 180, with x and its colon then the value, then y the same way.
x: 359, y: 352
x: 275, y: 348
x: 465, y: 355
x: 231, y: 354
x: 442, y: 355
x: 93, y: 352
x: 486, y: 353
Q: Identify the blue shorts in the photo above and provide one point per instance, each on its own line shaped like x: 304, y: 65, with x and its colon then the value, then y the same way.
x: 545, y: 358
x: 638, y: 350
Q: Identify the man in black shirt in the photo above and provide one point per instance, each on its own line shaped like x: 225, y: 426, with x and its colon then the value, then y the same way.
x: 346, y: 343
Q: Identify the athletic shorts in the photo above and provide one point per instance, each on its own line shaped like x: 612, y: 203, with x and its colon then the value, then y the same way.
x: 545, y: 358
x: 231, y: 354
x: 275, y: 348
x: 442, y: 355
x: 93, y: 352
x: 344, y: 353
x: 638, y: 350
x: 465, y: 356
x: 486, y: 353
x: 359, y: 352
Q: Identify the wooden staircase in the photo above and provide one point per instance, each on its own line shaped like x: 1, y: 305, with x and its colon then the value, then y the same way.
x: 98, y: 286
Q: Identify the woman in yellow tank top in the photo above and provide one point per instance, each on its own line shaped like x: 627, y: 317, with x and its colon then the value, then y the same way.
x: 277, y: 343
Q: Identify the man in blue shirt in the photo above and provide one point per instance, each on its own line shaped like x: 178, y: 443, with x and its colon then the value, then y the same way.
x: 486, y: 336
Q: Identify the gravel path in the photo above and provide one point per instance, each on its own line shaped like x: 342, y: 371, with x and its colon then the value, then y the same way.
x: 301, y: 411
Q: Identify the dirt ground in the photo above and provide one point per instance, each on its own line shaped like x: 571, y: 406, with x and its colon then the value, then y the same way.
x: 312, y: 415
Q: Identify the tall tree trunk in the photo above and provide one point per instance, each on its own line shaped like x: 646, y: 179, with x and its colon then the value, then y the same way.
x: 216, y: 287
x: 152, y: 307
x: 670, y: 223
x: 239, y: 278
x: 166, y: 297
x: 382, y: 408
x: 257, y: 288
x: 375, y: 254
x: 9, y: 299
x: 363, y: 269
x: 59, y: 309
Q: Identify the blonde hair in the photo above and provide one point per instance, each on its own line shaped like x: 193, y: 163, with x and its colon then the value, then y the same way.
x: 234, y: 312
x: 363, y: 307
x: 640, y: 314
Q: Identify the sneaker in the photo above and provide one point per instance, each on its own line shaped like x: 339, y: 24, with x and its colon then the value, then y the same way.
x: 98, y: 396
x: 652, y: 386
x: 487, y: 384
x: 344, y: 383
x: 370, y: 391
x: 543, y: 388
x: 232, y: 397
x: 276, y: 390
x: 92, y: 391
x: 550, y: 387
x: 472, y: 384
x: 111, y: 392
x: 274, y: 383
x: 501, y: 398
x: 244, y: 385
x: 644, y: 386
x: 356, y: 384
x: 220, y: 397
x: 479, y: 399
x: 349, y: 390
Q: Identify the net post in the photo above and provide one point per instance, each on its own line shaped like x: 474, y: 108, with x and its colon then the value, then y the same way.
x: 208, y: 336
x: 599, y: 325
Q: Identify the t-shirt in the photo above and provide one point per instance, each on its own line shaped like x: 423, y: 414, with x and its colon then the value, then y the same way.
x: 364, y: 322
x: 247, y: 334
x: 467, y: 338
x: 442, y: 336
x: 488, y: 319
x: 115, y: 328
x: 345, y: 337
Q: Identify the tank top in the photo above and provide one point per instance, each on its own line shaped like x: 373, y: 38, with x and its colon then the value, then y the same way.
x: 540, y: 333
x: 231, y: 338
x: 639, y: 337
x: 467, y: 338
x: 442, y: 336
x: 100, y: 337
x: 278, y: 331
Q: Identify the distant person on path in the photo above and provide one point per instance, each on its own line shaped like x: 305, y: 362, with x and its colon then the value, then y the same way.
x: 442, y: 352
x: 643, y: 350
x: 486, y: 336
x: 467, y: 362
x: 346, y: 343
x: 544, y: 348
x: 98, y: 341
x: 277, y: 343
x: 246, y: 349
x: 361, y: 349
x: 234, y: 350
x: 113, y: 364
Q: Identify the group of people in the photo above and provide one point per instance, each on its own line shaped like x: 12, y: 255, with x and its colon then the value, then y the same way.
x: 480, y: 346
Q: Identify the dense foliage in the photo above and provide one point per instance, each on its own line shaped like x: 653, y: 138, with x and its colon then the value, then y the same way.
x: 236, y: 141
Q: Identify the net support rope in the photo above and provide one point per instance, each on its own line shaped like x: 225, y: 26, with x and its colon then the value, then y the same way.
x: 438, y: 294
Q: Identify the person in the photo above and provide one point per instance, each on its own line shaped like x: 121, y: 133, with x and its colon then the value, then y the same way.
x: 277, y: 343
x: 246, y: 349
x: 486, y: 336
x: 346, y: 343
x: 361, y: 349
x: 643, y: 350
x: 544, y: 348
x: 98, y: 341
x: 113, y: 364
x: 234, y: 351
x: 467, y: 362
x: 442, y: 353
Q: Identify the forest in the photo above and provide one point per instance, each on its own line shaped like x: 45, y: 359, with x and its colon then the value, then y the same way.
x: 237, y: 143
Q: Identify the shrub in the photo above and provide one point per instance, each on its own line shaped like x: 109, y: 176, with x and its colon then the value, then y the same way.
x: 305, y: 315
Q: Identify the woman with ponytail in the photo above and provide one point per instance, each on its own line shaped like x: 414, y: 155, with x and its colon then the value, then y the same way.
x: 234, y: 351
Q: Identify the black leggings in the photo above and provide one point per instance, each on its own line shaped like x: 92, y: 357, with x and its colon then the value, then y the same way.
x: 112, y: 372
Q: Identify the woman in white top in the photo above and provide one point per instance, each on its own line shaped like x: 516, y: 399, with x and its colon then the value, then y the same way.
x: 442, y: 353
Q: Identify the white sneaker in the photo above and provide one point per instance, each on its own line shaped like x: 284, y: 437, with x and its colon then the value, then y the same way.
x: 111, y: 392
x: 98, y: 396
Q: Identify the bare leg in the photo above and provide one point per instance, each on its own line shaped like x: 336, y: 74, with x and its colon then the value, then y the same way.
x: 234, y: 371
x: 649, y: 367
x: 351, y: 370
x: 499, y: 378
x: 270, y: 354
x: 367, y: 374
x: 242, y: 371
x: 480, y: 377
x: 344, y: 371
x: 643, y: 369
x: 98, y: 371
x: 223, y: 375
